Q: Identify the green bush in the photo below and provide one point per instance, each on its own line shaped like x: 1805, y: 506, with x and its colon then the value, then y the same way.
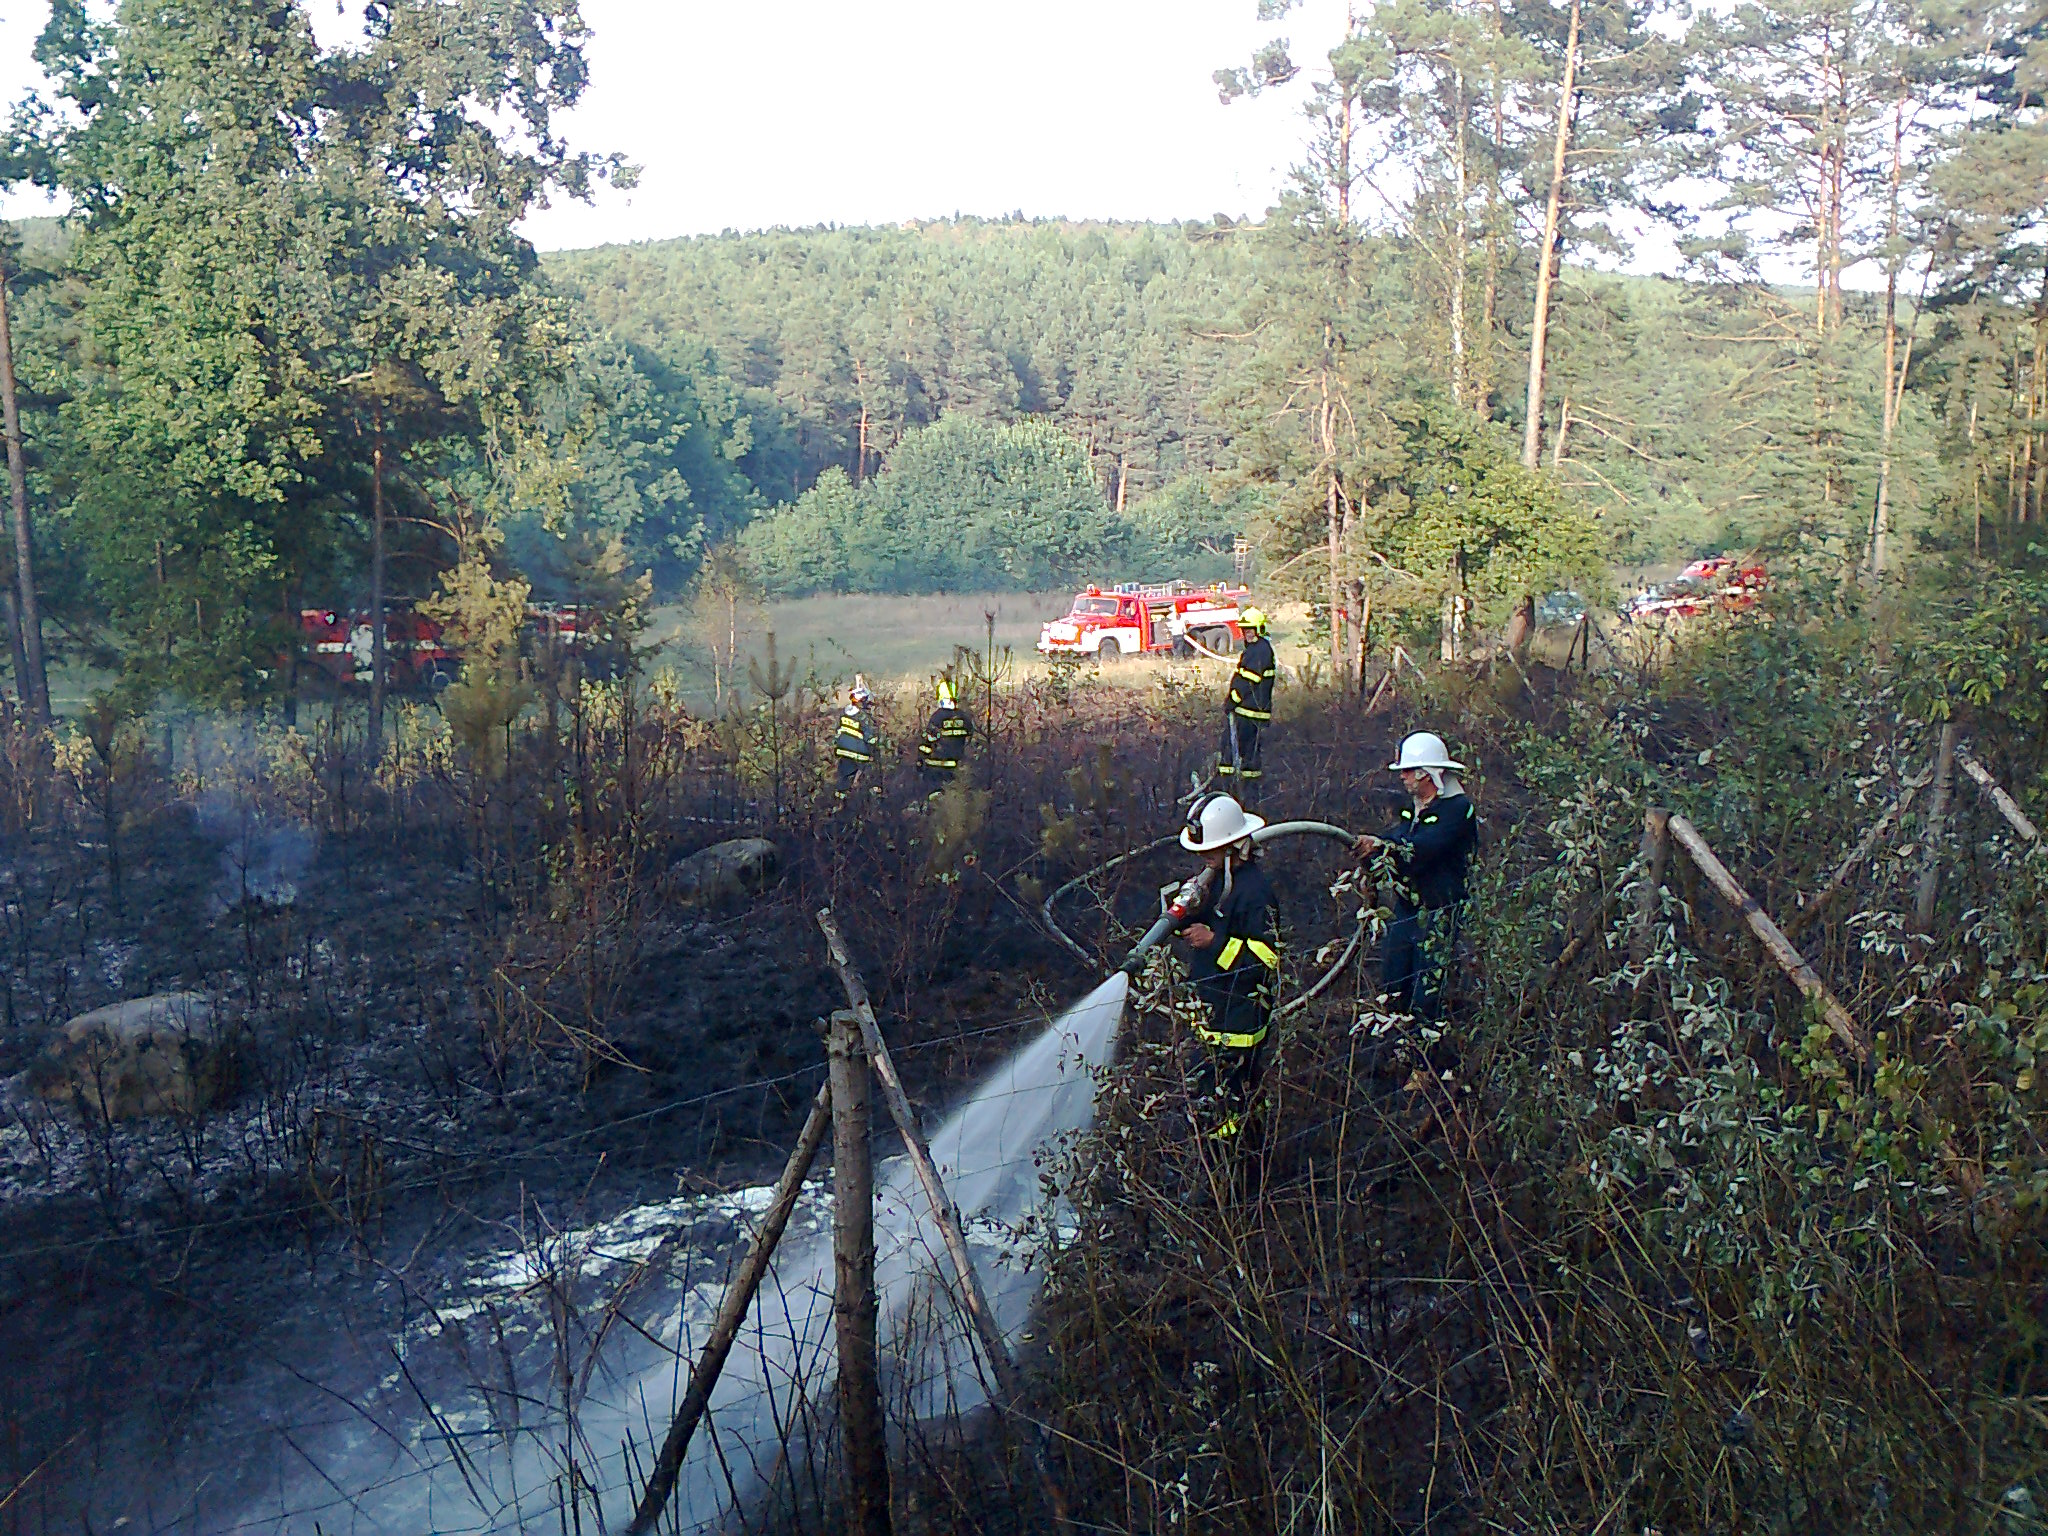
x: 962, y: 504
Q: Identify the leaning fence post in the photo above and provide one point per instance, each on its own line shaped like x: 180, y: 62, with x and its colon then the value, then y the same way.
x: 854, y: 1311
x: 2008, y: 807
x: 973, y: 1300
x: 1794, y: 965
x: 731, y: 1313
x: 1937, y: 823
x: 1656, y: 855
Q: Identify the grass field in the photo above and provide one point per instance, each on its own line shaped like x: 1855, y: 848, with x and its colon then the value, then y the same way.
x: 894, y: 641
x: 897, y: 642
x: 891, y: 639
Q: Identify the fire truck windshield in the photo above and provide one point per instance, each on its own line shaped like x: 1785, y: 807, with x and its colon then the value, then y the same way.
x: 1095, y: 605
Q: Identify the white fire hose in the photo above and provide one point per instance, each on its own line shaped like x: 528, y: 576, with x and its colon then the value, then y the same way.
x: 1165, y: 926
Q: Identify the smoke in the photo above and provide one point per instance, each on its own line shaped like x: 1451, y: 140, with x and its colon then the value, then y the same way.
x: 262, y: 858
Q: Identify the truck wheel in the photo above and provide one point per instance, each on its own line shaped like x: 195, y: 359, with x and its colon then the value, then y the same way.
x: 1109, y: 653
x: 1222, y: 642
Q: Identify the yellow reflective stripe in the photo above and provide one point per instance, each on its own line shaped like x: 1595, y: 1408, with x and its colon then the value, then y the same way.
x: 1253, y: 714
x: 1261, y: 951
x: 1233, y: 1042
x: 856, y: 757
x: 1251, y: 677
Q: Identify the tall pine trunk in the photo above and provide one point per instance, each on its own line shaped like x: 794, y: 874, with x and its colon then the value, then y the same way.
x: 377, y: 658
x: 1459, y: 371
x: 1546, y: 270
x: 1332, y: 502
x: 1894, y: 377
x: 33, y: 678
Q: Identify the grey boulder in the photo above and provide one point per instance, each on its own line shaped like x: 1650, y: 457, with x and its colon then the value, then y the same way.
x: 157, y: 1055
x: 725, y: 872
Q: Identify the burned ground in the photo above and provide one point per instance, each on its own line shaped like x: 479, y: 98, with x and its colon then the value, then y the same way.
x: 1601, y: 1243
x: 430, y: 1051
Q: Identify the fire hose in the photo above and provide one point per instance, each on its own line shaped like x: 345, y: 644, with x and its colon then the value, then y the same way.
x: 1182, y: 906
x: 1203, y: 650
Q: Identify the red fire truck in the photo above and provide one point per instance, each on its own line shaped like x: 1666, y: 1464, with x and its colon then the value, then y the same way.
x: 1111, y: 623
x: 1724, y: 582
x: 339, y: 644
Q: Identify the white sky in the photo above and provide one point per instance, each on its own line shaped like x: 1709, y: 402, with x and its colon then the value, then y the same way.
x: 745, y: 114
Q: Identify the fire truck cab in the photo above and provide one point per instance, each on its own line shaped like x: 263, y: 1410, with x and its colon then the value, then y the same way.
x: 1110, y: 624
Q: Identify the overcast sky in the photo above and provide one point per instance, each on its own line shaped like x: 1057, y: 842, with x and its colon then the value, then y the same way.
x: 745, y: 114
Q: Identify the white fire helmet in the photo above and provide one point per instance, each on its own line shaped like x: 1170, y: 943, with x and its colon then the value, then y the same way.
x: 1425, y: 749
x: 1217, y: 821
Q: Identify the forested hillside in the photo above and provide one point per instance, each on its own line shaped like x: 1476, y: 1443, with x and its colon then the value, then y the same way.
x: 339, y: 376
x: 1138, y: 342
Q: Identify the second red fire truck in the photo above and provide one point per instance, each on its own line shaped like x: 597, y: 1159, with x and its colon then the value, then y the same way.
x: 1109, y: 624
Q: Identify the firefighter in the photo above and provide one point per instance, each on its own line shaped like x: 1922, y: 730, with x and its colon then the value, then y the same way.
x: 1431, y: 845
x: 854, y: 745
x: 1248, y: 706
x: 943, y: 746
x: 1234, y: 961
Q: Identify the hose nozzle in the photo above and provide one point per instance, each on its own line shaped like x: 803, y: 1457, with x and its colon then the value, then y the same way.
x: 1178, y: 908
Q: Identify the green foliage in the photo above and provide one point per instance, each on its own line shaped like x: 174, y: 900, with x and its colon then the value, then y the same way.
x: 652, y: 452
x: 482, y: 618
x: 962, y: 504
x: 1461, y: 512
x: 1188, y: 528
x: 838, y: 343
x: 1982, y: 645
x: 288, y: 265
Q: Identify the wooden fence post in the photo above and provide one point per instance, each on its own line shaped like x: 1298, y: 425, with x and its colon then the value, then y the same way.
x: 1649, y: 903
x: 972, y: 1299
x: 1937, y: 824
x: 731, y: 1313
x: 863, y: 1434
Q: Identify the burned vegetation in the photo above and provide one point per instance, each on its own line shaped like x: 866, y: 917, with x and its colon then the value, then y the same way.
x: 459, y: 1083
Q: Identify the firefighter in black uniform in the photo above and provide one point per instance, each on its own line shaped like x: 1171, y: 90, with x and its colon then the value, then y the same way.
x: 1248, y: 707
x: 1432, y: 843
x: 943, y: 746
x: 1235, y: 957
x: 854, y: 745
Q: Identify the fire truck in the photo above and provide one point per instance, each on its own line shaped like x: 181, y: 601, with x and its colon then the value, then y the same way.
x: 339, y: 644
x: 1112, y: 623
x: 1718, y: 582
x: 416, y: 653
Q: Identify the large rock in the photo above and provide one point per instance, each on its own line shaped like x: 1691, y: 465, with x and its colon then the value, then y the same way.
x: 725, y: 872
x: 158, y: 1055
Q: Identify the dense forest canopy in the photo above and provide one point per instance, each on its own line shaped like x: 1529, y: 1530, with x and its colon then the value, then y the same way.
x: 290, y: 349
